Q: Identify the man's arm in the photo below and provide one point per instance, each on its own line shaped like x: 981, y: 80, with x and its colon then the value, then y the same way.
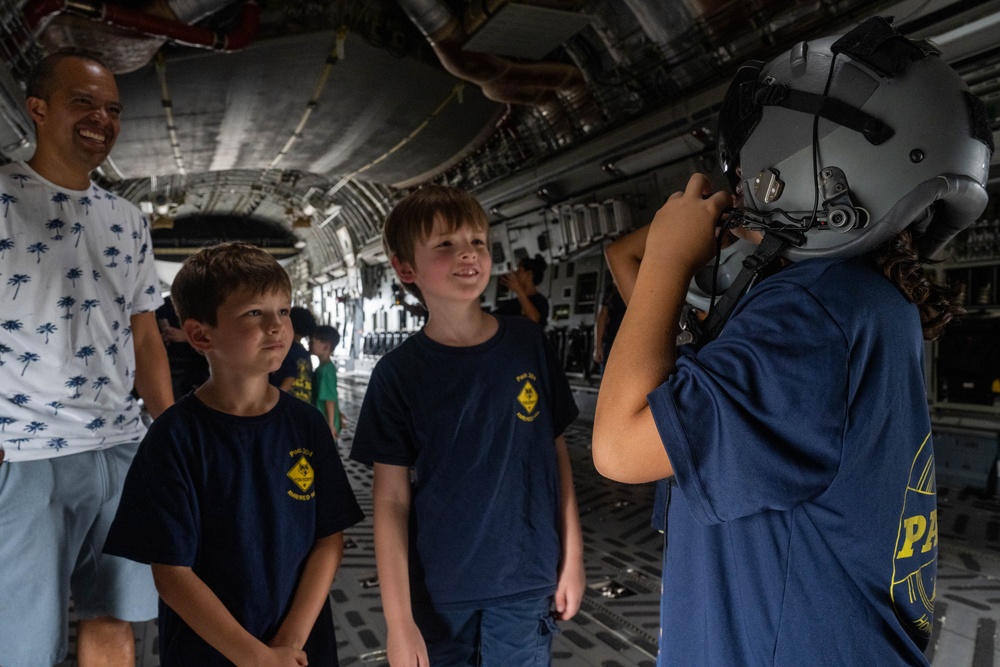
x: 572, y: 576
x: 391, y: 500
x: 184, y: 592
x: 680, y: 240
x: 152, y: 370
x: 311, y: 592
x: 624, y: 257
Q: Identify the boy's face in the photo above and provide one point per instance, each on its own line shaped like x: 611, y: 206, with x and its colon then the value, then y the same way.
x: 252, y: 333
x: 448, y: 265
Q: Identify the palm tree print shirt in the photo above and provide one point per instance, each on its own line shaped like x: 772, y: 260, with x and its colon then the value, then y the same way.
x: 74, y: 267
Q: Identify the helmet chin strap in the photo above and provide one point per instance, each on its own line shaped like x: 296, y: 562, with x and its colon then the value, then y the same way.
x: 698, y: 333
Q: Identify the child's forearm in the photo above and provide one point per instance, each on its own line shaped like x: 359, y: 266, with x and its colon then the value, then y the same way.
x: 572, y: 576
x: 391, y: 496
x: 332, y: 409
x: 184, y: 592
x: 311, y: 592
x: 570, y: 531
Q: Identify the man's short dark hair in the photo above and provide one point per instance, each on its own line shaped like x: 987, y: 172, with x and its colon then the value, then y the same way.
x: 208, y: 277
x: 326, y: 334
x: 39, y: 82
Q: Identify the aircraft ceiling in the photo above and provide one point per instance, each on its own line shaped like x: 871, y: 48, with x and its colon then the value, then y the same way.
x: 312, y: 118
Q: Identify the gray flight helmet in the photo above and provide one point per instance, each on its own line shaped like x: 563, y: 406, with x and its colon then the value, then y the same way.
x: 854, y: 139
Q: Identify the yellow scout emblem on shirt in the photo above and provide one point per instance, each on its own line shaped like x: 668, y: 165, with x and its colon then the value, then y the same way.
x: 527, y: 397
x: 303, y: 475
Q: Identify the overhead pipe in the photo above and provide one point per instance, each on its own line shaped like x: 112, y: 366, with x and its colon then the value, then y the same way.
x: 501, y: 80
x: 37, y: 14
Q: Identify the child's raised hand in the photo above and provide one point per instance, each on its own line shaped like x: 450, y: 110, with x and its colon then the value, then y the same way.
x: 685, y: 227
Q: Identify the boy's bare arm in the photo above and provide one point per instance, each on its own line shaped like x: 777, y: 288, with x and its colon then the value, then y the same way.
x: 184, y: 592
x: 391, y: 499
x: 311, y: 592
x: 572, y: 577
x: 680, y: 240
x: 331, y: 408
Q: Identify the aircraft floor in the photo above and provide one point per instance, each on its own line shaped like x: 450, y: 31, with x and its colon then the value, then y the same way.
x: 618, y: 623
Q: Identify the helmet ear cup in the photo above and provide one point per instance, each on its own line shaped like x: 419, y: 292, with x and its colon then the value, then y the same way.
x: 731, y: 258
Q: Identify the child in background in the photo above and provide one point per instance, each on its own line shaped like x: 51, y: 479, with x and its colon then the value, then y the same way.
x: 295, y: 375
x: 237, y: 497
x: 477, y: 535
x: 322, y: 343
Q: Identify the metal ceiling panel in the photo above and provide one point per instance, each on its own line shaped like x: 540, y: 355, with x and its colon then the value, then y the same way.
x: 526, y: 31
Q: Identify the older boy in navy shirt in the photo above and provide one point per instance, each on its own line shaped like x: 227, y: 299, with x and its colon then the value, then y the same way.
x: 237, y: 497
x: 477, y: 535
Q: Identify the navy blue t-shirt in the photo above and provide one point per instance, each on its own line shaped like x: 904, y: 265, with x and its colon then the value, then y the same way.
x: 803, y: 527
x: 242, y: 501
x: 477, y: 425
x: 297, y: 364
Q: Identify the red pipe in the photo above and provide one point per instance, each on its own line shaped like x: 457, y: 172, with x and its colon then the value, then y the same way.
x: 37, y: 11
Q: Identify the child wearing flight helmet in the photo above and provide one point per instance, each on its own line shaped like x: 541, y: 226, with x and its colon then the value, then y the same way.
x: 801, y: 520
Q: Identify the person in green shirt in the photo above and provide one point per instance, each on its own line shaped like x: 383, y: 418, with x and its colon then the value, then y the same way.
x: 322, y: 342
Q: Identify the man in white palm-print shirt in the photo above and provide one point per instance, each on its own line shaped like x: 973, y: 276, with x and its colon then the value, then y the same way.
x: 77, y: 333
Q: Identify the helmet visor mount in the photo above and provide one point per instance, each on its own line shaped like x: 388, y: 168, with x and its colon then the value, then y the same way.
x: 738, y: 117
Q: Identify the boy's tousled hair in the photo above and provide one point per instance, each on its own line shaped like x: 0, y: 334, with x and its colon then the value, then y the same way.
x: 412, y: 220
x: 326, y: 334
x: 209, y: 276
x: 39, y: 80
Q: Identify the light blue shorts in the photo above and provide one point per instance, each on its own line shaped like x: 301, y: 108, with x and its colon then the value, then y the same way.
x: 54, y: 518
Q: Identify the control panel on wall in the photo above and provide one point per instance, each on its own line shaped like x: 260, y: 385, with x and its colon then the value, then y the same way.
x: 967, y: 357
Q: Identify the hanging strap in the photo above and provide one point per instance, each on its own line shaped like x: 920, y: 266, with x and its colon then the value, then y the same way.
x: 780, y: 95
x: 767, y: 251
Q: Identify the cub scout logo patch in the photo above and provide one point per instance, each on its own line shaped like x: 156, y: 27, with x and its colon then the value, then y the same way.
x: 914, y: 577
x: 527, y: 397
x: 302, y: 475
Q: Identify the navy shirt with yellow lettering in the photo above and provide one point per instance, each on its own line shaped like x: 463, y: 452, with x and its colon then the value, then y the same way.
x: 242, y: 501
x: 477, y: 425
x: 802, y: 528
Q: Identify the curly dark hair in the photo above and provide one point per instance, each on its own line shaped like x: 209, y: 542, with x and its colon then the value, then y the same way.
x: 939, y: 303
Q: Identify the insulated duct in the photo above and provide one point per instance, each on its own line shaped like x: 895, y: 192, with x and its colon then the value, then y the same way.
x: 501, y: 80
x: 39, y: 13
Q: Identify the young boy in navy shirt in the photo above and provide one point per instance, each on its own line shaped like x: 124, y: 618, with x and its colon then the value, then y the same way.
x: 237, y: 497
x: 477, y: 535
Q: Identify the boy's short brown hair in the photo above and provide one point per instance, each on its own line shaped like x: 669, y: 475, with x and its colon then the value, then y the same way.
x: 412, y: 220
x: 209, y: 276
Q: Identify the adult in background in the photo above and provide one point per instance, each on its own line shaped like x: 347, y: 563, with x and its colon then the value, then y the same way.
x: 608, y: 321
x: 77, y: 333
x: 523, y: 282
